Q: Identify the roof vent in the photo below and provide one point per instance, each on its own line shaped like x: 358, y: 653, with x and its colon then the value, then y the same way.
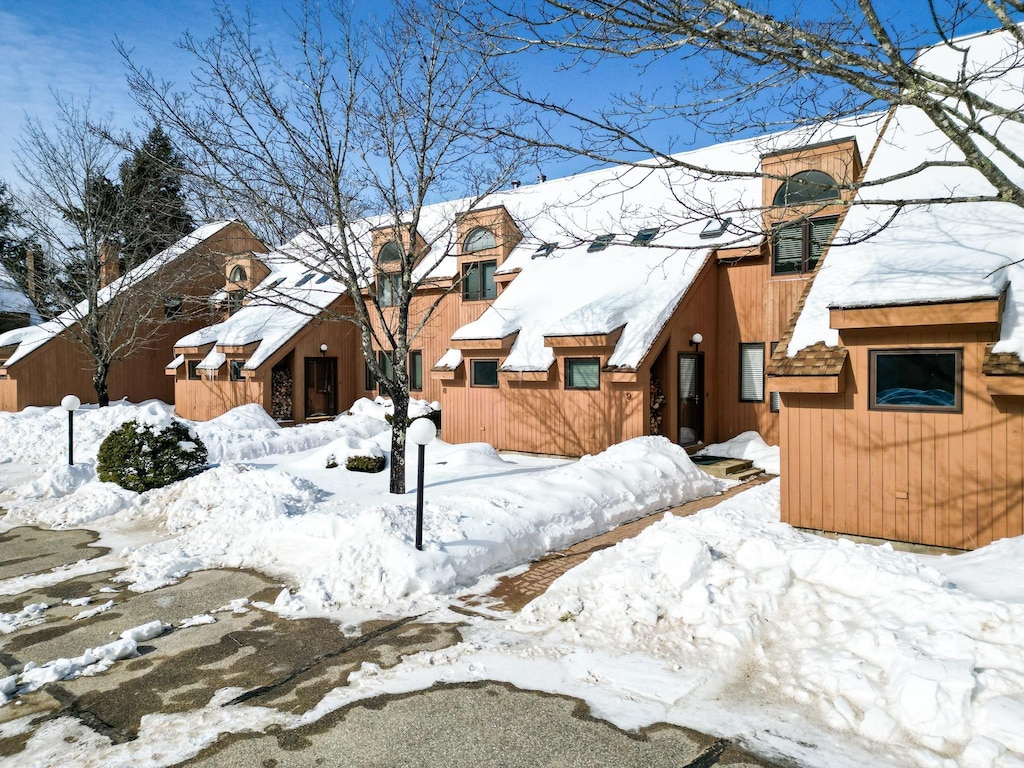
x: 715, y: 228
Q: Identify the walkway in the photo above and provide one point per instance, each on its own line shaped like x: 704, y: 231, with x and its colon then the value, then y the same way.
x: 513, y: 592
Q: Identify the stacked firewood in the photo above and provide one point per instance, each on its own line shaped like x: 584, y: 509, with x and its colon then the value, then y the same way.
x: 657, y: 405
x: 281, y: 387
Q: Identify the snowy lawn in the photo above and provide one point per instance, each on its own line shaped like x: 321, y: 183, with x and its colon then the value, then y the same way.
x: 338, y: 537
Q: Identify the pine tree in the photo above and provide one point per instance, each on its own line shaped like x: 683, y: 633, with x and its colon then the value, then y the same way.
x: 155, y: 213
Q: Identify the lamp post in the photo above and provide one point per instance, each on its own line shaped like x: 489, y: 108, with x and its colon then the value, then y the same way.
x: 421, y: 432
x: 70, y: 404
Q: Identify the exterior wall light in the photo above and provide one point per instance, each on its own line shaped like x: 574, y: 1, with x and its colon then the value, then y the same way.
x: 695, y: 341
x: 421, y: 432
x: 323, y: 350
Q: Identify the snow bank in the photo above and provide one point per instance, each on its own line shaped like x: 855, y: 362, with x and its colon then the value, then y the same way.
x: 364, y: 558
x: 749, y: 446
x: 860, y: 639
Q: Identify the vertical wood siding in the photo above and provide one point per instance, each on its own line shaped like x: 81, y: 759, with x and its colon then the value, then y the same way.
x: 947, y: 479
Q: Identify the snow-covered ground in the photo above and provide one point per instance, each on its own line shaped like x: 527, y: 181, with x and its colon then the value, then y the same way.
x: 823, y: 652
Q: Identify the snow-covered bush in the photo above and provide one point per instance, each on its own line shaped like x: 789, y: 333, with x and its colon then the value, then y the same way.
x: 140, y: 456
x: 365, y: 463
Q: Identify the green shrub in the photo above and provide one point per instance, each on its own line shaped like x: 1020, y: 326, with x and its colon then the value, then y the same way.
x: 140, y: 456
x: 365, y: 463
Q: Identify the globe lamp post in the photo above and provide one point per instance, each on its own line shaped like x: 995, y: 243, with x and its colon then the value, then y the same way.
x: 421, y: 432
x: 70, y: 404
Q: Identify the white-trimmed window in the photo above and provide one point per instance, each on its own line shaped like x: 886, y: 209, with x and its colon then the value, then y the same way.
x: 752, y: 372
x: 916, y: 379
x: 484, y: 373
x: 582, y: 373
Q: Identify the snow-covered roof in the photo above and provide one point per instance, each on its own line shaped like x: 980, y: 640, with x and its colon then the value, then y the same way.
x: 576, y: 292
x: 936, y: 253
x: 13, y: 299
x: 31, y: 338
x: 278, y: 308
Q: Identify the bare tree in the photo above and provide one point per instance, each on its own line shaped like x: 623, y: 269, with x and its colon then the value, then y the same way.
x: 87, y: 228
x: 350, y: 128
x: 742, y: 70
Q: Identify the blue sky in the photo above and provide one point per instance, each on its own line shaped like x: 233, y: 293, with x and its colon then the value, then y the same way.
x: 67, y: 45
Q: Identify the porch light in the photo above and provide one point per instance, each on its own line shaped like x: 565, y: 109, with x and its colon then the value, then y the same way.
x: 421, y: 432
x: 70, y: 403
x: 696, y: 340
x: 323, y: 350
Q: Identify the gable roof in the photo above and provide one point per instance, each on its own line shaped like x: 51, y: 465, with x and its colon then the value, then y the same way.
x: 34, y: 336
x: 284, y: 303
x: 885, y: 255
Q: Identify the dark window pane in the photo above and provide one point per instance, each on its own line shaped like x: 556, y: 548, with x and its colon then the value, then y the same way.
x: 600, y: 243
x: 821, y: 231
x: 390, y: 252
x: 480, y: 239
x: 485, y: 373
x: 916, y: 379
x: 416, y: 370
x: 236, y: 370
x: 193, y: 369
x: 806, y: 187
x: 789, y: 242
x: 752, y: 372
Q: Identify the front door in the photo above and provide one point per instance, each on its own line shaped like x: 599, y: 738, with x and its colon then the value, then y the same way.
x: 321, y: 386
x: 691, y: 398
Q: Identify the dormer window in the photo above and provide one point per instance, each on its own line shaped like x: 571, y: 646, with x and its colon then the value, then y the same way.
x: 600, y: 243
x: 806, y: 187
x: 235, y: 299
x: 392, y: 251
x: 715, y: 228
x: 238, y: 274
x: 644, y: 236
x: 478, y: 281
x: 479, y: 239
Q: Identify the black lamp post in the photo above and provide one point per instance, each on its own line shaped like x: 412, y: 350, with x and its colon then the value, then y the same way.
x: 70, y: 404
x: 421, y: 432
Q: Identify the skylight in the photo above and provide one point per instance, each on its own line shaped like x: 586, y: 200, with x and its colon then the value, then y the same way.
x: 544, y: 250
x: 600, y: 243
x: 274, y: 284
x: 305, y: 279
x: 644, y: 236
x: 715, y: 228
x: 323, y: 279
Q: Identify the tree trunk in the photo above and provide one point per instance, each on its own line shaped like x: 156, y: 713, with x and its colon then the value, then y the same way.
x: 399, y: 424
x: 99, y: 383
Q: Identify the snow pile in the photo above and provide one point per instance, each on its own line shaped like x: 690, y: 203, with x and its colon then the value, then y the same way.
x: 93, y: 661
x: 33, y: 613
x: 857, y: 638
x: 749, y: 446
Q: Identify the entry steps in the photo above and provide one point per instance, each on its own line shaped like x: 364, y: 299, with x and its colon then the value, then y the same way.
x: 726, y: 468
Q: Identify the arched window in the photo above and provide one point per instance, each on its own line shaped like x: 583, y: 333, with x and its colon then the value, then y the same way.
x: 806, y: 187
x: 479, y: 239
x: 238, y: 274
x: 392, y: 251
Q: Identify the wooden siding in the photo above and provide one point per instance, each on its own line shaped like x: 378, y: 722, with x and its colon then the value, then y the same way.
x: 753, y: 307
x: 940, y: 478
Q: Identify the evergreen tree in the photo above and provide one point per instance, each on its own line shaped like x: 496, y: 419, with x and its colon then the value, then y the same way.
x: 155, y: 214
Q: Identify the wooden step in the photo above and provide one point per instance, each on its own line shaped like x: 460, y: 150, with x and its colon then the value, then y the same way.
x: 745, y: 474
x: 726, y: 468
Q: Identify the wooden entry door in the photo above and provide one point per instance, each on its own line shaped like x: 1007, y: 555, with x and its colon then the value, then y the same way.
x: 691, y: 398
x: 321, y: 386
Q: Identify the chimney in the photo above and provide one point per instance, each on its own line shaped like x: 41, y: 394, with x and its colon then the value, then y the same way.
x: 516, y: 183
x: 33, y: 267
x: 541, y: 178
x: 109, y: 267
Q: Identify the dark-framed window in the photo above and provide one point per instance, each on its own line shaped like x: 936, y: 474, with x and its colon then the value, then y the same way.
x: 582, y: 373
x: 416, y: 370
x: 752, y: 372
x: 392, y: 251
x: 236, y: 367
x: 915, y: 379
x: 235, y: 299
x: 172, y: 307
x: 389, y: 288
x: 600, y: 243
x: 484, y: 373
x: 797, y: 246
x: 478, y: 280
x: 192, y: 367
x: 479, y: 239
x: 774, y: 398
x: 238, y: 274
x: 369, y: 380
x: 385, y: 361
x: 806, y: 187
